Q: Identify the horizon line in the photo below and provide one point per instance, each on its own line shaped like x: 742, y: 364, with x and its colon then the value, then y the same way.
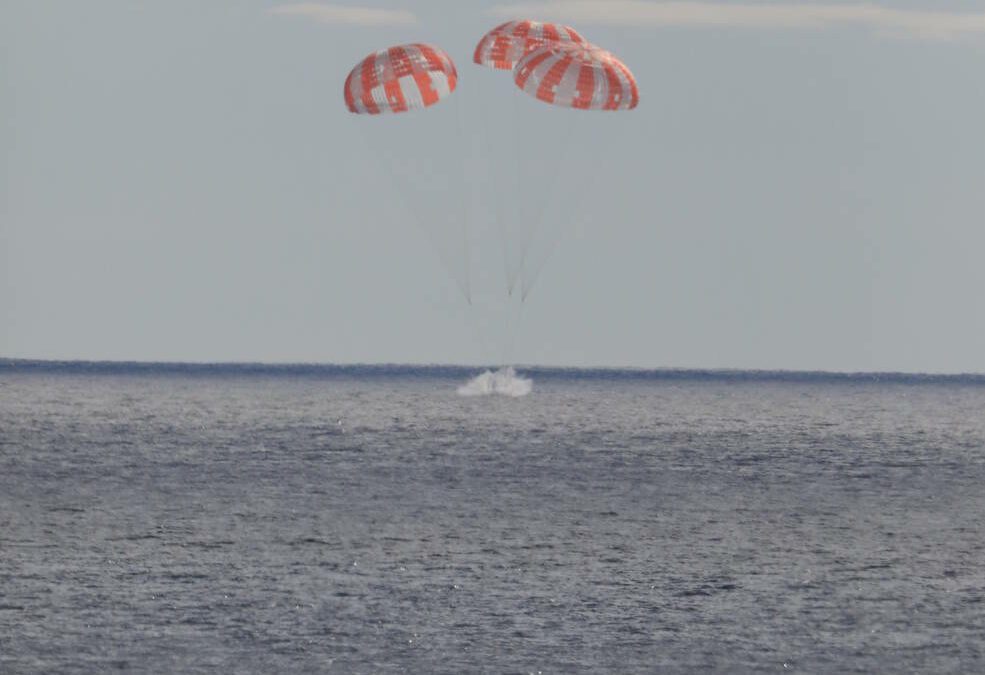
x: 107, y: 365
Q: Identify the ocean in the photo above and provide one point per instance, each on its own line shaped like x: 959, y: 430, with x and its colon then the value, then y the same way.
x: 353, y: 519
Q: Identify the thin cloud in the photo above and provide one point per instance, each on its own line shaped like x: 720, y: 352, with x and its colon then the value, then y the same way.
x: 902, y: 22
x: 347, y: 15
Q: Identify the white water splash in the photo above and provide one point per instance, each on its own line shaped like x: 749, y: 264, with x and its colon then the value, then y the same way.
x: 504, y: 381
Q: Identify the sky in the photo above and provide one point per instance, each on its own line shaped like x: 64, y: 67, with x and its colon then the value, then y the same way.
x: 801, y: 187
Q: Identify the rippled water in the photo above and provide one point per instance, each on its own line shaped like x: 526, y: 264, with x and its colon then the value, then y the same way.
x: 374, y: 521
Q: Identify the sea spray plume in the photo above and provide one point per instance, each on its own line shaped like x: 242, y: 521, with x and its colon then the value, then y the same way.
x: 504, y: 381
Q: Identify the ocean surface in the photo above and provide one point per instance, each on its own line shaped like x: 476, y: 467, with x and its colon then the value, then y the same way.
x: 264, y: 519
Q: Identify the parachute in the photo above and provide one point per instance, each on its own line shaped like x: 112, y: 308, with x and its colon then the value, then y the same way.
x: 507, y: 43
x: 498, y: 117
x: 398, y: 79
x: 491, y: 159
x: 580, y: 76
x: 417, y: 154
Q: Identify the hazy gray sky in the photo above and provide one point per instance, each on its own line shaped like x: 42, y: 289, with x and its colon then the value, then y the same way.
x: 802, y: 186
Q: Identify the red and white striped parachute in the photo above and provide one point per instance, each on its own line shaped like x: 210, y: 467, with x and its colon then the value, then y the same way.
x: 580, y: 76
x: 507, y: 43
x: 398, y: 79
x: 551, y: 62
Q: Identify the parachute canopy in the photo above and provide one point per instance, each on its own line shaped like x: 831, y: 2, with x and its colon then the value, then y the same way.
x: 401, y: 78
x: 580, y: 76
x: 507, y: 43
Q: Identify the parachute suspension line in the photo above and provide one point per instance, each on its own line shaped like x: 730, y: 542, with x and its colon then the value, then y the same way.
x: 504, y: 244
x: 580, y: 193
x: 466, y: 177
x: 492, y: 184
x: 515, y: 153
x: 400, y: 189
x: 501, y: 192
x: 514, y: 316
x: 567, y: 133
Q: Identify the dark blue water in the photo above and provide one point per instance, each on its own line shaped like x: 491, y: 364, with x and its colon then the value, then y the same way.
x: 371, y: 520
